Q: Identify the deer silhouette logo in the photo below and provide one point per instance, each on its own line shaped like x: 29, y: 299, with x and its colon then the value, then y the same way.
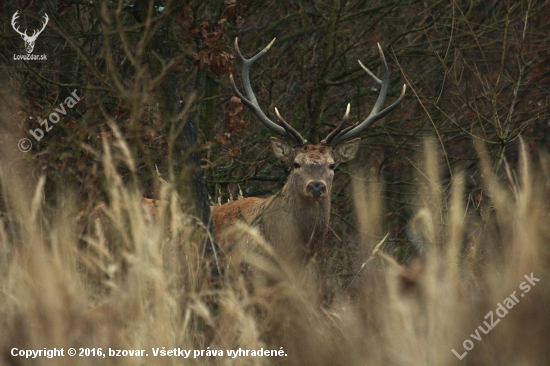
x: 29, y: 40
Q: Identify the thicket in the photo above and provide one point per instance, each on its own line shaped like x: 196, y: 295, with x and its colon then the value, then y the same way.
x: 157, y: 118
x: 476, y: 71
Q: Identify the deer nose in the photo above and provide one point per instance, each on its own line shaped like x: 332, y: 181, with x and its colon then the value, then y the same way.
x: 316, y: 189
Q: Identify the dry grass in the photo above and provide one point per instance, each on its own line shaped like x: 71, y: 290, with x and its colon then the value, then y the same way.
x: 137, y: 285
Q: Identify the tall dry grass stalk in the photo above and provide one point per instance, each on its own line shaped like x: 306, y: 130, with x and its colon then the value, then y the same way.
x: 137, y: 280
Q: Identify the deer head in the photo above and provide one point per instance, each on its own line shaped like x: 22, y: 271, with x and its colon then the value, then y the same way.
x: 313, y: 164
x: 29, y: 40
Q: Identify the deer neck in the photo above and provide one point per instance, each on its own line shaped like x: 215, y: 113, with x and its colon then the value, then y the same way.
x: 311, y: 217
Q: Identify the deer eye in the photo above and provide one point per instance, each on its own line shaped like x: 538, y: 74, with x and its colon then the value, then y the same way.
x: 332, y: 166
x: 296, y: 165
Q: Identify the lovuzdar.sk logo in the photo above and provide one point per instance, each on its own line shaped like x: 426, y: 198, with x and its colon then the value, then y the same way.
x: 29, y: 39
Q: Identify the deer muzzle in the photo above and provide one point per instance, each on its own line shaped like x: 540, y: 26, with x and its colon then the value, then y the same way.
x: 317, y: 189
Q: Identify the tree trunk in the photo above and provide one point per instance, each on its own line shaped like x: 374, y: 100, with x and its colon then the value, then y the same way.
x: 189, y: 178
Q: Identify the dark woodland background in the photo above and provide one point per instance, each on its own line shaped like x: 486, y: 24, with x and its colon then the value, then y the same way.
x: 159, y: 72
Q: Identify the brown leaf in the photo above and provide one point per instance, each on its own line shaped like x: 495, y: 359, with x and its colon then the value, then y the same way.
x: 234, y: 124
x: 222, y: 138
x: 233, y: 9
x: 221, y: 63
x: 234, y: 151
x: 63, y: 7
x: 185, y: 15
x: 201, y: 59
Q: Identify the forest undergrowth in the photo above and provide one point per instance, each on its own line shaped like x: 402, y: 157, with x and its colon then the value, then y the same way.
x: 476, y: 292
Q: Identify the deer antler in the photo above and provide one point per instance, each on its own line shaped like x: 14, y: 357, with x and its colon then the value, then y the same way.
x: 338, y: 135
x: 36, y: 33
x: 15, y: 27
x: 251, y: 102
x: 350, y: 132
x: 337, y: 130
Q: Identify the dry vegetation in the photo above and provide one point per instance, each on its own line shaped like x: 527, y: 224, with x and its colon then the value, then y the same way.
x: 143, y: 286
x: 435, y: 224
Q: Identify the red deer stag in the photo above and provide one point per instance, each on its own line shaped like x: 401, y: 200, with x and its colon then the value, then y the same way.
x: 295, y: 220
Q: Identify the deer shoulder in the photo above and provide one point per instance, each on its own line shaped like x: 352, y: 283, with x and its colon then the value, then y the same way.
x: 245, y: 210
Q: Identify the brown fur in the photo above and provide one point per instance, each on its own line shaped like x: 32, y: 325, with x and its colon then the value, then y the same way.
x: 294, y: 221
x: 225, y: 216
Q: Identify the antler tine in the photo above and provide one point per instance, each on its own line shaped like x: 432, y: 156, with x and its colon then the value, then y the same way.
x: 37, y: 32
x: 349, y: 128
x: 46, y: 20
x: 251, y: 102
x: 338, y: 129
x: 253, y: 59
x: 374, y: 77
x: 14, y: 26
x: 299, y: 140
x: 375, y: 114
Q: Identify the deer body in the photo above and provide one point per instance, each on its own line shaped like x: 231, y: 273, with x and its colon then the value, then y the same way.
x: 294, y: 226
x: 295, y: 220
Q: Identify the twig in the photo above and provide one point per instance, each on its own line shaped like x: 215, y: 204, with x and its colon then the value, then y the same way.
x: 374, y: 252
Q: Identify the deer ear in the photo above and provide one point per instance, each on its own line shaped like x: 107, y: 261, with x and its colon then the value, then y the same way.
x: 282, y: 151
x: 346, y: 151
